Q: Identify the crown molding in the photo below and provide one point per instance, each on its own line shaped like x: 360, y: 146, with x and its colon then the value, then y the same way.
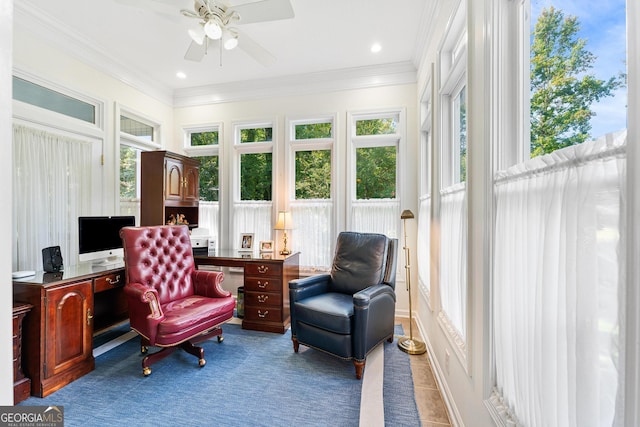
x: 300, y: 84
x: 75, y: 45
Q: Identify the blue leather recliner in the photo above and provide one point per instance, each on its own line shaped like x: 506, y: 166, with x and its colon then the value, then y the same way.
x: 350, y: 310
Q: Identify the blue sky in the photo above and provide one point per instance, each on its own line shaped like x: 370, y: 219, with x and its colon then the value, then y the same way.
x: 602, y: 23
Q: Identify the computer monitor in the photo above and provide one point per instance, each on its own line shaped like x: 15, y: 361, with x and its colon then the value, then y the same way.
x: 99, y: 238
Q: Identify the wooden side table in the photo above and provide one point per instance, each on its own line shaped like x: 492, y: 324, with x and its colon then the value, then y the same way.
x: 21, y: 383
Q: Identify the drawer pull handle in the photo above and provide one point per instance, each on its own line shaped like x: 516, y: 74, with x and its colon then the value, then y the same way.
x: 89, y: 317
x: 263, y: 315
x: 113, y: 282
x: 263, y: 285
x: 262, y: 269
x: 263, y: 298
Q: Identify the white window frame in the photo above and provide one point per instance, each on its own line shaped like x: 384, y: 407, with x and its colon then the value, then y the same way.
x: 397, y: 140
x: 452, y: 71
x: 251, y: 148
x: 206, y: 151
x: 296, y: 145
x: 135, y: 142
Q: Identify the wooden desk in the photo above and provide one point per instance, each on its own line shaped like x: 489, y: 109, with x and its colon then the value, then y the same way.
x: 266, y: 286
x: 67, y: 308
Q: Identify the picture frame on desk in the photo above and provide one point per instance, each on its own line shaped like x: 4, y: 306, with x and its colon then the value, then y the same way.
x: 266, y: 246
x: 246, y: 242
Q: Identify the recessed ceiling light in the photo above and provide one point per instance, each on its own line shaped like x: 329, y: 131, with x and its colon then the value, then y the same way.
x: 181, y: 75
x: 375, y: 48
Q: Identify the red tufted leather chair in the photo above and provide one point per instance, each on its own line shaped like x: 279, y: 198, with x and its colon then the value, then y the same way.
x: 171, y: 304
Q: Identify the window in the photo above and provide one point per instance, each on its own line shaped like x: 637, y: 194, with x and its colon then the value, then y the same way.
x: 375, y: 141
x: 137, y: 134
x: 460, y: 136
x: 203, y: 143
x: 452, y: 207
x: 577, y: 73
x: 253, y: 181
x: 137, y: 128
x: 311, y: 144
x: 43, y: 97
x: 570, y: 201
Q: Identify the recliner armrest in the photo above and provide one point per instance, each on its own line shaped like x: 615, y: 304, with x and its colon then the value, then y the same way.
x: 208, y: 284
x: 309, y: 286
x: 364, y: 297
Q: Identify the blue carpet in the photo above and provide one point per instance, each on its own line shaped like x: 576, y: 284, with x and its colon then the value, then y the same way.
x: 250, y: 379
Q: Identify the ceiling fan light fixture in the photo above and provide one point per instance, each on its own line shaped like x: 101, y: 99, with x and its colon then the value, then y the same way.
x: 230, y: 39
x: 197, y: 34
x: 213, y: 30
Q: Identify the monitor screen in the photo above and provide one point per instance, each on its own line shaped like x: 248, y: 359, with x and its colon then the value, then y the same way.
x: 99, y: 236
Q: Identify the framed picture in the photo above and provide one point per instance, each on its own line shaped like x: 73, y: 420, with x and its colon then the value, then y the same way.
x: 266, y: 246
x: 246, y: 242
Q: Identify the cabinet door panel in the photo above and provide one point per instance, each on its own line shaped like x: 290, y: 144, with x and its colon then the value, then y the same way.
x: 68, y: 326
x: 174, y: 180
x: 192, y: 183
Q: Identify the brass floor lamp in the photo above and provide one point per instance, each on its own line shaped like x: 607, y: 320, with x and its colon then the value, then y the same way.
x: 407, y: 343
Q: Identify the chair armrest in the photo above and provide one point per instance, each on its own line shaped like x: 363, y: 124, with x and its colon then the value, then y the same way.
x: 209, y: 284
x: 145, y: 312
x: 365, y: 296
x: 308, y: 286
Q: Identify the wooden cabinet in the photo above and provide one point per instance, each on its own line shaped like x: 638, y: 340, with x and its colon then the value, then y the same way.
x: 21, y: 383
x: 169, y: 186
x: 58, y: 332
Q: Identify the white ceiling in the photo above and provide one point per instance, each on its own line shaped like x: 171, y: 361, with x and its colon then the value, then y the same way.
x: 149, y: 37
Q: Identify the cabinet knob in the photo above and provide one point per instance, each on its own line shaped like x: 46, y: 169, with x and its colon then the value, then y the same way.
x: 89, y: 316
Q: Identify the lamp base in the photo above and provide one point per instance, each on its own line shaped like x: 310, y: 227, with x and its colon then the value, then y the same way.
x: 411, y: 346
x: 285, y: 252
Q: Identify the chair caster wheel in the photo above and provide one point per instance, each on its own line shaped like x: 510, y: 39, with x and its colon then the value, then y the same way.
x: 146, y: 371
x: 202, y: 362
x: 220, y: 338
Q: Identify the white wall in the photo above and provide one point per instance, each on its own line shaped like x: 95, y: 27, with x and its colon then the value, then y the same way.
x: 6, y: 292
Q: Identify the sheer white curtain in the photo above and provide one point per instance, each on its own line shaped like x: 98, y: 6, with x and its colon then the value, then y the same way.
x: 313, y: 234
x: 453, y: 256
x: 558, y: 286
x: 208, y: 218
x: 376, y: 216
x: 130, y: 208
x: 51, y: 189
x: 251, y: 217
x: 424, y: 246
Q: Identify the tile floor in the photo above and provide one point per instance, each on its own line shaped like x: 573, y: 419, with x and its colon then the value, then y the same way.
x: 431, y: 406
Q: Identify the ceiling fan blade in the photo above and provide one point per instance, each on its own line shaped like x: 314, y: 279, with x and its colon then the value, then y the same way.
x: 196, y: 51
x: 253, y: 49
x: 265, y: 10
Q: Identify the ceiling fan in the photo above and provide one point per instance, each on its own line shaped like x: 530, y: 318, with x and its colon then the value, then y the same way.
x: 218, y: 20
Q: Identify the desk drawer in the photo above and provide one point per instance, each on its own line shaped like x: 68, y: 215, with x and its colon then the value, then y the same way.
x: 264, y: 314
x: 110, y: 281
x: 263, y: 269
x: 260, y: 284
x: 262, y: 299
